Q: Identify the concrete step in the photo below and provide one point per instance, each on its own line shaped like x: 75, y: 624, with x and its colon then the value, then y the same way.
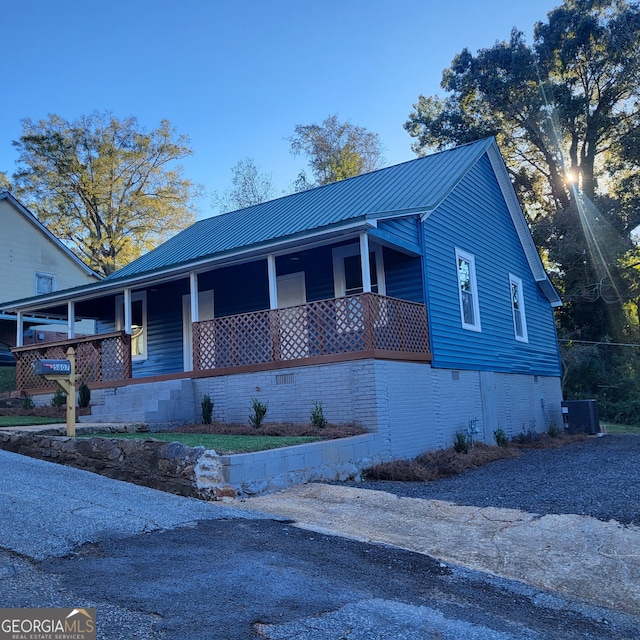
x: 169, y: 401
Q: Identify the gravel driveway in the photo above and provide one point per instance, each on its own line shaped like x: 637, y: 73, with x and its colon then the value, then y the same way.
x: 598, y: 477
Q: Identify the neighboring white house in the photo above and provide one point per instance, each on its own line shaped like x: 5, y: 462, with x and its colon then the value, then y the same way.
x: 32, y: 262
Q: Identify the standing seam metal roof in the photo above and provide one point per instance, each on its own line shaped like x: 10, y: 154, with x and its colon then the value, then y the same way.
x: 416, y: 185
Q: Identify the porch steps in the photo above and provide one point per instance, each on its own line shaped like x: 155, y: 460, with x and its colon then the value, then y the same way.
x: 170, y: 401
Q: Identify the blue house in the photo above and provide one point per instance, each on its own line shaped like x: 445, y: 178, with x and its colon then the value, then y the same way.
x: 411, y: 300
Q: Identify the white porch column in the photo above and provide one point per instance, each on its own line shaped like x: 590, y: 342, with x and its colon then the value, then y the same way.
x: 71, y: 320
x: 273, y: 285
x: 193, y: 295
x: 20, y: 330
x: 127, y: 311
x: 364, y: 262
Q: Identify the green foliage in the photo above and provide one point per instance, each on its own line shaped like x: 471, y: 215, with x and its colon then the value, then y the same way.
x: 317, y: 416
x: 249, y: 187
x: 336, y: 150
x: 27, y: 402
x: 108, y: 188
x: 569, y: 104
x: 259, y: 412
x: 527, y: 435
x: 501, y: 438
x: 7, y: 379
x: 84, y: 395
x: 59, y: 398
x: 207, y: 409
x: 554, y: 430
x: 461, y: 442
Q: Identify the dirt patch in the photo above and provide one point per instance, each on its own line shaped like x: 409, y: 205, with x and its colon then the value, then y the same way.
x: 330, y: 432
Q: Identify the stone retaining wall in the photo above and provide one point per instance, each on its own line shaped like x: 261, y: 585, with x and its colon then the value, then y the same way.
x: 160, y: 465
x: 200, y: 473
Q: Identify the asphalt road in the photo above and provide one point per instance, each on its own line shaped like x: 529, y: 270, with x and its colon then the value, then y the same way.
x: 158, y: 566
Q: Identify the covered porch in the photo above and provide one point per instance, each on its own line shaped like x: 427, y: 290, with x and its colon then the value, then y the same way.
x: 353, y: 327
x: 346, y: 298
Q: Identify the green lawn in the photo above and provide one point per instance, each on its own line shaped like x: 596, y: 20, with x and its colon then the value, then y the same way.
x: 222, y: 444
x: 619, y: 429
x: 22, y: 421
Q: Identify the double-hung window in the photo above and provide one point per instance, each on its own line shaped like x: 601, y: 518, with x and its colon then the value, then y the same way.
x: 468, y: 291
x: 517, y: 308
x: 138, y: 323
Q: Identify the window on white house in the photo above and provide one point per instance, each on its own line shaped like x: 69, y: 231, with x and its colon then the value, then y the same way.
x: 45, y: 283
x: 468, y: 291
x: 517, y: 307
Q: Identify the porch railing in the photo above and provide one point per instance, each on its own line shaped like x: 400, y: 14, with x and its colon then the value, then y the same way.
x: 99, y: 358
x: 360, y: 323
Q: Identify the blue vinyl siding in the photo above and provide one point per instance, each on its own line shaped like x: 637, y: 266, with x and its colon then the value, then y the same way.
x: 164, y: 331
x: 239, y: 289
x: 474, y: 218
x: 317, y: 265
x: 403, y: 276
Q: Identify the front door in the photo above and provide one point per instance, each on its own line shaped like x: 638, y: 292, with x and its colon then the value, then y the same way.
x: 294, y: 333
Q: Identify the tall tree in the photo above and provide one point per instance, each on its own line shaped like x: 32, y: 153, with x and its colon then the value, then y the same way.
x: 249, y: 187
x: 5, y: 183
x: 336, y: 150
x: 105, y: 186
x: 559, y: 110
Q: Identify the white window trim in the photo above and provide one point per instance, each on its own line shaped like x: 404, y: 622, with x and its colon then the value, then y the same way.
x: 339, y: 278
x: 470, y: 258
x: 514, y: 280
x: 135, y: 297
x: 43, y: 274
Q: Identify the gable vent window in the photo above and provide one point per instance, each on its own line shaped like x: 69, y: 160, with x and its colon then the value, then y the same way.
x: 468, y: 291
x: 45, y: 283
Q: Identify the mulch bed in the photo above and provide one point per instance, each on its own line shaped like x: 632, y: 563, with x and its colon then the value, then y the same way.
x: 330, y: 432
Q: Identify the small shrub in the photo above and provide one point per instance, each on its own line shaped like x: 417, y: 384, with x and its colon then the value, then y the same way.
x: 259, y: 413
x: 59, y: 399
x: 554, y: 430
x: 461, y: 442
x: 207, y: 409
x: 317, y: 416
x: 84, y: 395
x: 27, y: 403
x: 501, y: 438
x: 527, y: 436
x: 472, y: 432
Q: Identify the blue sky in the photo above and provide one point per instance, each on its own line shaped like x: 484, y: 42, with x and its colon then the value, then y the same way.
x: 238, y: 76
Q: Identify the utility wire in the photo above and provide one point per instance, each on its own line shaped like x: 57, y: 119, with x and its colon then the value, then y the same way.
x: 612, y: 344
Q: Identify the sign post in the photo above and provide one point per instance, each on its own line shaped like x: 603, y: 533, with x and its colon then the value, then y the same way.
x: 63, y: 373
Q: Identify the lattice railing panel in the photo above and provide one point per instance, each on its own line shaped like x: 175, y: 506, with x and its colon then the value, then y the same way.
x: 327, y: 327
x: 99, y: 358
x: 231, y: 341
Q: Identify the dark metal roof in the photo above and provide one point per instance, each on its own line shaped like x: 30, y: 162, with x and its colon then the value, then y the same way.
x: 415, y: 186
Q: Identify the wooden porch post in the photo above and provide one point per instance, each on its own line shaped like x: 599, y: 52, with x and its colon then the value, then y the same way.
x: 20, y: 330
x: 71, y: 320
x: 364, y: 262
x: 273, y: 284
x: 127, y: 311
x: 193, y: 294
